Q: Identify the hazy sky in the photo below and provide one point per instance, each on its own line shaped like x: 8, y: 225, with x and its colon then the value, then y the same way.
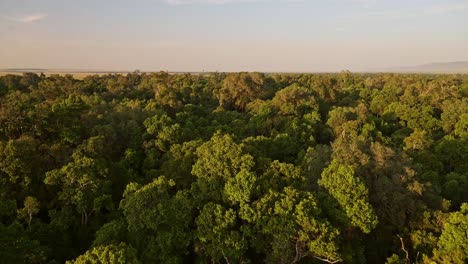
x: 231, y: 35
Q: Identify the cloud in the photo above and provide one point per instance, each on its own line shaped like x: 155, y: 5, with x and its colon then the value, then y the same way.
x: 32, y: 18
x: 28, y: 18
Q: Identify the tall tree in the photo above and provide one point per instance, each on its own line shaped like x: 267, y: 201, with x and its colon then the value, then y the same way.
x: 351, y: 193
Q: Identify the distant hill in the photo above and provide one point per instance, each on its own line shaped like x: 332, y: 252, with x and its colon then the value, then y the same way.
x: 440, y: 67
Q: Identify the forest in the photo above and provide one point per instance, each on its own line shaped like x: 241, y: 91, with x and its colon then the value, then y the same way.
x: 234, y: 168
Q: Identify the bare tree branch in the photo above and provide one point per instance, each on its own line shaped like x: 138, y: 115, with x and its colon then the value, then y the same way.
x: 327, y: 260
x: 404, y: 249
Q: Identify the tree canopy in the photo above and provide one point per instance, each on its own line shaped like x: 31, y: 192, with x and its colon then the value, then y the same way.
x: 234, y: 168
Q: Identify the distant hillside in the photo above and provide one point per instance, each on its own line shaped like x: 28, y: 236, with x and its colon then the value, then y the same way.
x: 441, y: 67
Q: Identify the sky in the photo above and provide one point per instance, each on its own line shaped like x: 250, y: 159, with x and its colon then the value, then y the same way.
x: 231, y: 35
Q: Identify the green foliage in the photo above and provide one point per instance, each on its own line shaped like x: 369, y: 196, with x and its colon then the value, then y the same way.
x: 453, y: 115
x: 18, y: 159
x: 233, y: 168
x: 395, y: 259
x: 178, y: 162
x: 164, y: 218
x: 452, y: 246
x: 113, y: 232
x: 351, y: 193
x: 453, y: 153
x: 221, y: 157
x: 241, y: 187
x: 31, y: 208
x: 17, y: 247
x: 290, y: 228
x: 239, y: 89
x: 217, y: 234
x: 218, y: 160
x: 294, y: 100
x: 83, y: 182
x: 280, y: 175
x: 110, y: 254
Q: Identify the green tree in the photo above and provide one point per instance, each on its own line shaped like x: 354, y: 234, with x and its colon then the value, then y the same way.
x: 418, y: 140
x: 294, y: 100
x: 452, y: 246
x: 287, y: 227
x: 178, y: 162
x: 219, y: 160
x: 239, y: 89
x: 351, y: 193
x: 241, y: 187
x: 17, y: 247
x: 83, y: 182
x: 31, y: 208
x: 113, y: 232
x: 218, y: 236
x: 163, y: 218
x: 19, y: 163
x: 453, y: 112
x: 119, y: 254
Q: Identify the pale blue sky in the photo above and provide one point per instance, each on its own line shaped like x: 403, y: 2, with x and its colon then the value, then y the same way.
x: 231, y: 35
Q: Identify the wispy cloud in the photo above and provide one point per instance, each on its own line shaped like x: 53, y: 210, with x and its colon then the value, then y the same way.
x: 32, y: 18
x: 27, y: 18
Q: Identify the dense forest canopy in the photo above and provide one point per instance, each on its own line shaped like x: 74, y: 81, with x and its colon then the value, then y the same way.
x: 234, y: 168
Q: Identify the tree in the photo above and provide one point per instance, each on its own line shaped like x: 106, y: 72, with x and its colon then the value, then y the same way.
x: 314, y: 161
x: 281, y: 175
x: 461, y: 127
x: 217, y: 234
x: 64, y: 120
x: 294, y: 100
x: 20, y: 165
x: 453, y: 154
x: 83, y: 181
x: 351, y: 193
x: 119, y: 254
x: 453, y: 112
x: 178, y: 162
x: 225, y: 168
x: 163, y: 218
x: 218, y: 160
x: 287, y: 227
x: 338, y: 117
x: 31, y: 208
x: 164, y: 129
x: 239, y: 89
x: 241, y: 187
x: 418, y: 140
x: 452, y: 246
x: 113, y: 232
x: 17, y: 247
